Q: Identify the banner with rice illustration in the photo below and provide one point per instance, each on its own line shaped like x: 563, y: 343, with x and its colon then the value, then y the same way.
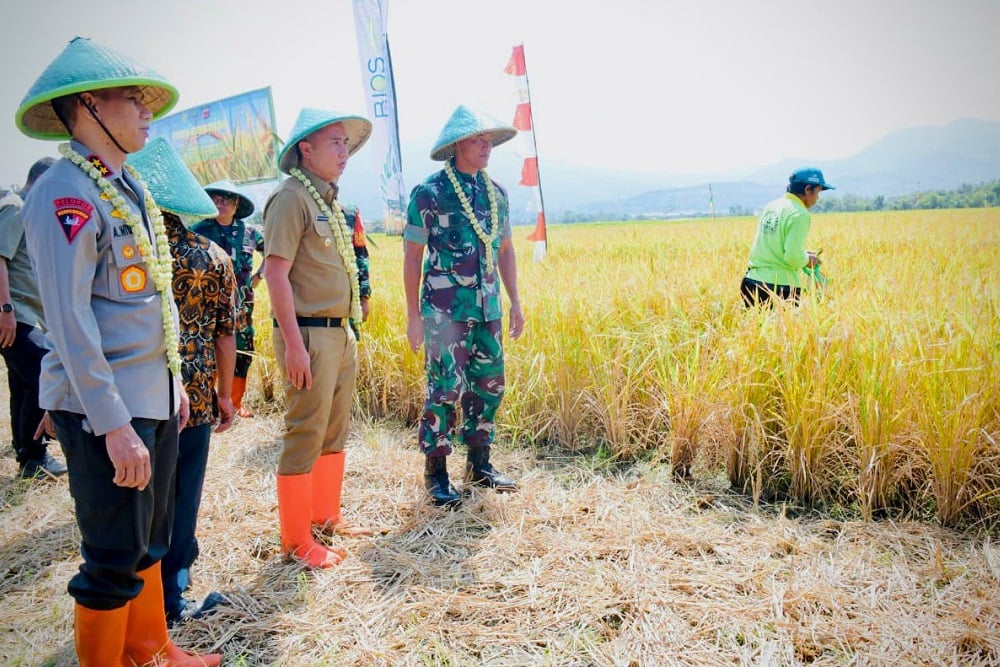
x: 380, y: 95
x: 230, y: 138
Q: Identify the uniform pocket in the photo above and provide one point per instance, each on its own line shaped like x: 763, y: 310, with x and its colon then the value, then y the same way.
x: 129, y: 276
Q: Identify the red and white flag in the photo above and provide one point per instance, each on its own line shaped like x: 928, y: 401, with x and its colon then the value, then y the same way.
x: 524, y: 122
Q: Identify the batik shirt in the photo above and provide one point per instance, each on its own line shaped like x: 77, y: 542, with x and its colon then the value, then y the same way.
x: 205, y: 293
x: 457, y: 283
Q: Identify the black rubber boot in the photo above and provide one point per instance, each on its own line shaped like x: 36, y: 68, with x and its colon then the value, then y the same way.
x: 436, y: 481
x: 479, y: 470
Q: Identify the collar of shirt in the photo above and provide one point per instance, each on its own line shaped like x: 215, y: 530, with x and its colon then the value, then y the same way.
x: 328, y: 191
x: 795, y: 200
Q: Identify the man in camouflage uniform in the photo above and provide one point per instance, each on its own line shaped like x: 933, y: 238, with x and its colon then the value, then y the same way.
x: 453, y: 299
x: 239, y: 240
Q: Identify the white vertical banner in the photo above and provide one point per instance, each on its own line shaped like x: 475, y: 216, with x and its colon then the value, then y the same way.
x: 380, y: 96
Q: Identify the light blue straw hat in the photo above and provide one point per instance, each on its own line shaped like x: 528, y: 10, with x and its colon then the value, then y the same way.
x: 82, y: 66
x: 358, y: 130
x: 244, y: 209
x: 173, y: 186
x: 465, y: 123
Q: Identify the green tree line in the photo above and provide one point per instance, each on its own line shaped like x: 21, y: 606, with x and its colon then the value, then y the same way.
x: 983, y: 195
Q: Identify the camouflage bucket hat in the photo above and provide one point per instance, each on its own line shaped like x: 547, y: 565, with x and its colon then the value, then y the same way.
x: 244, y: 209
x: 170, y: 182
x: 465, y: 123
x: 358, y: 130
x: 83, y: 66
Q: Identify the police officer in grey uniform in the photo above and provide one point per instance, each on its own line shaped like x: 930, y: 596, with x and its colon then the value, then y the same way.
x: 107, y: 381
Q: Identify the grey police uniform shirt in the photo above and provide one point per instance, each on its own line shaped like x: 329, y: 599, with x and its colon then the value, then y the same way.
x: 102, y: 310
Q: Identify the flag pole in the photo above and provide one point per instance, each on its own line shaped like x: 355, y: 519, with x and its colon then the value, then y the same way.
x: 534, y: 144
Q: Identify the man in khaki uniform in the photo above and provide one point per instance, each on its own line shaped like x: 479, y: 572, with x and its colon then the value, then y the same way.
x: 312, y: 277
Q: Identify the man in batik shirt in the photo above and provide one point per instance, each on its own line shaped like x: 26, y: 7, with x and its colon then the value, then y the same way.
x: 453, y: 299
x: 204, y: 288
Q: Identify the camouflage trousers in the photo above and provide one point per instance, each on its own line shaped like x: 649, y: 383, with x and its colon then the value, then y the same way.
x: 244, y: 341
x: 464, y: 365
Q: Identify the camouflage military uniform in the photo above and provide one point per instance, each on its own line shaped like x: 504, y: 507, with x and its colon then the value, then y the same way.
x: 461, y: 309
x: 239, y: 240
x: 353, y: 217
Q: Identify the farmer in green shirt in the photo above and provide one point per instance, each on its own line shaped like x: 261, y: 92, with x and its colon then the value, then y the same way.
x: 779, y: 253
x: 460, y: 216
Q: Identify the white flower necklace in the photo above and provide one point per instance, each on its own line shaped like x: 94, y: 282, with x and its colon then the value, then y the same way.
x: 159, y: 263
x: 487, y: 239
x: 338, y: 225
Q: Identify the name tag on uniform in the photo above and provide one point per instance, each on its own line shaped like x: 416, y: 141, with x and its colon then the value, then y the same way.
x: 322, y: 218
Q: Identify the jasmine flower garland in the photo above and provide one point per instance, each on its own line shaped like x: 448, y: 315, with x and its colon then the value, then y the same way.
x: 487, y: 239
x: 159, y: 263
x: 338, y: 225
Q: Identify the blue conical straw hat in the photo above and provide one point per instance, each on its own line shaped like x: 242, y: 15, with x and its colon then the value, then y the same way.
x: 358, y: 130
x: 170, y: 182
x: 465, y: 123
x: 244, y: 209
x: 82, y: 66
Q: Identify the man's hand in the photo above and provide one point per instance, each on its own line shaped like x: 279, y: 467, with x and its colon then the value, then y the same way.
x: 297, y: 366
x: 45, y: 427
x: 516, y: 320
x: 814, y: 259
x: 8, y: 329
x: 227, y: 413
x: 184, y: 413
x: 130, y: 457
x: 364, y: 309
x: 415, y: 332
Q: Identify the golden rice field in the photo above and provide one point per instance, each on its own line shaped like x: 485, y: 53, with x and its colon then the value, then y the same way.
x: 879, y: 397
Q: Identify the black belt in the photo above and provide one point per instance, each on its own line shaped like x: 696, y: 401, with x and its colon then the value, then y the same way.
x: 324, y: 322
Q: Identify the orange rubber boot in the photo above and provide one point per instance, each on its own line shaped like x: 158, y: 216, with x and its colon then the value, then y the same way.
x: 239, y: 388
x: 100, y: 636
x: 146, y: 638
x: 295, y: 516
x: 327, y: 482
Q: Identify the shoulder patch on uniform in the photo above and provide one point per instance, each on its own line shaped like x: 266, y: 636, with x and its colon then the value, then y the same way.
x: 72, y: 214
x: 99, y: 163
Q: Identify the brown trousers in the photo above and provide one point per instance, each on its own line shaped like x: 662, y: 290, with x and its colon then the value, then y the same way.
x: 317, y: 419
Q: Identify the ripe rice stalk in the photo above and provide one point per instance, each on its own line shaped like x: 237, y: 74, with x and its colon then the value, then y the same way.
x: 950, y: 432
x: 809, y: 380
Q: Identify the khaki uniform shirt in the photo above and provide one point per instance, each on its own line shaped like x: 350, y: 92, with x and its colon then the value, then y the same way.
x: 105, y: 327
x: 296, y: 230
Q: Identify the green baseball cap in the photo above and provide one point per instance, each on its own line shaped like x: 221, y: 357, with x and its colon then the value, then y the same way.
x: 810, y: 176
x: 83, y: 66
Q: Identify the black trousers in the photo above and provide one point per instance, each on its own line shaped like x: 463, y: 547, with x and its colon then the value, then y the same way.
x: 24, y: 364
x: 123, y: 530
x: 756, y: 293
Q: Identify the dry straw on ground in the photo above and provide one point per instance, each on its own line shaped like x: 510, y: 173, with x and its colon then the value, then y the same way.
x: 585, y: 566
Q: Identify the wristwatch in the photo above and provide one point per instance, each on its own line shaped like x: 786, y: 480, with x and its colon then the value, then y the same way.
x: 6, y: 307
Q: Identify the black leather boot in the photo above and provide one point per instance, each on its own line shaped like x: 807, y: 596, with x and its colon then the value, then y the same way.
x: 479, y: 470
x: 437, y: 483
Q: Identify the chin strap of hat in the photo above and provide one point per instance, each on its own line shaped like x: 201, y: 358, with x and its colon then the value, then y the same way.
x: 93, y: 114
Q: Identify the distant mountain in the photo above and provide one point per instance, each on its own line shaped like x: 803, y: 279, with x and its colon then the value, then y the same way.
x: 910, y: 160
x: 923, y: 158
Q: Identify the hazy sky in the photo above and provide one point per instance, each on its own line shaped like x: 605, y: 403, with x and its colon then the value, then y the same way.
x: 636, y: 85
